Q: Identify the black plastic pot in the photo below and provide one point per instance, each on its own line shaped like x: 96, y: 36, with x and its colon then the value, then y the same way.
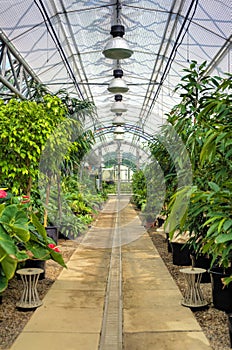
x: 168, y: 243
x: 203, y: 262
x: 221, y: 294
x: 230, y: 328
x: 52, y: 232
x: 180, y: 254
x: 39, y: 264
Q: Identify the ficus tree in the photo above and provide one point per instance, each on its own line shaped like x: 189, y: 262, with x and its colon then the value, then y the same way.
x: 26, y: 126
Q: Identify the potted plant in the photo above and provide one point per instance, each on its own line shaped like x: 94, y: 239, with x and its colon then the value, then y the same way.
x: 203, y: 120
x: 22, y: 237
x: 27, y: 141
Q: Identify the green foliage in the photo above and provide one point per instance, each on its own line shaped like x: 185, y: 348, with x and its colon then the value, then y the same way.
x: 79, y: 204
x: 22, y: 237
x: 109, y: 187
x: 25, y: 126
x: 167, y: 164
x: 139, y: 188
x: 203, y: 120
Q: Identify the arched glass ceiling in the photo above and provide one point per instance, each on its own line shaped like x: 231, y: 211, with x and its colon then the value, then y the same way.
x: 62, y: 43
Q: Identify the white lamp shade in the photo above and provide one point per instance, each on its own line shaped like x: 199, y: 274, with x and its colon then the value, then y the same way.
x: 119, y: 137
x: 118, y: 120
x: 118, y: 85
x: 117, y: 49
x: 119, y: 130
x: 118, y: 107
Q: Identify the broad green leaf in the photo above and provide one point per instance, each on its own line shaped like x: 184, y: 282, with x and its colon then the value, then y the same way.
x: 38, y: 250
x: 220, y: 224
x: 212, y: 219
x: 3, y: 283
x: 9, y: 265
x: 58, y: 258
x: 224, y: 237
x: 6, y: 243
x: 214, y: 186
x: 38, y: 226
x: 21, y: 255
x: 227, y: 224
x: 212, y: 230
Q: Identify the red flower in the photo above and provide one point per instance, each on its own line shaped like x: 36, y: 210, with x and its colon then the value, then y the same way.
x: 3, y: 194
x: 53, y: 247
x: 56, y: 249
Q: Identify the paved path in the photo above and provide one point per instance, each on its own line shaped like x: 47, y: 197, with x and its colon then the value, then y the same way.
x: 116, y: 294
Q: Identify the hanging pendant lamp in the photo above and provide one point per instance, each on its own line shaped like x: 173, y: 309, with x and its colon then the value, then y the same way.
x: 118, y: 120
x: 119, y: 137
x: 118, y: 106
x: 119, y: 130
x: 118, y: 85
x: 117, y: 47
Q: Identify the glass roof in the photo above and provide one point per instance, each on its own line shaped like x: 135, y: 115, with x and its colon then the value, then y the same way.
x: 62, y: 42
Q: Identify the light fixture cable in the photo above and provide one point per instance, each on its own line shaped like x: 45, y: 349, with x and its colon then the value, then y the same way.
x: 173, y: 52
x: 57, y: 42
x: 118, y: 11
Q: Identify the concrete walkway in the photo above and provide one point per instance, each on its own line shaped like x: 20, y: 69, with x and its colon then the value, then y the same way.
x: 72, y: 314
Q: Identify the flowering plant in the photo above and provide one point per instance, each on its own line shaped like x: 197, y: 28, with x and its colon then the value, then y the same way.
x: 22, y: 237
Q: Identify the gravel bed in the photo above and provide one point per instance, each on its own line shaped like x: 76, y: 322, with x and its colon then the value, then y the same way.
x: 212, y: 321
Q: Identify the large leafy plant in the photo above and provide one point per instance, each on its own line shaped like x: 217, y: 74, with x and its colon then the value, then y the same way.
x: 25, y: 125
x: 22, y: 237
x: 139, y: 188
x: 203, y: 119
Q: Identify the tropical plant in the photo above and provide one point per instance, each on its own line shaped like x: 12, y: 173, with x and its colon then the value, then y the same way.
x: 139, y: 188
x: 61, y: 157
x: 204, y: 123
x: 22, y: 237
x: 43, y: 139
x: 26, y: 126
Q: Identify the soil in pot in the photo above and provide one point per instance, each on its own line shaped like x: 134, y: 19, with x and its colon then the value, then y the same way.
x: 221, y: 294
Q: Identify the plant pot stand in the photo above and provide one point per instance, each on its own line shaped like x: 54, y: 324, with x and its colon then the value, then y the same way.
x: 30, y: 298
x: 193, y: 296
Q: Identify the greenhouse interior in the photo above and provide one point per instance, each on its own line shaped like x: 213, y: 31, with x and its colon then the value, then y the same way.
x: 115, y: 175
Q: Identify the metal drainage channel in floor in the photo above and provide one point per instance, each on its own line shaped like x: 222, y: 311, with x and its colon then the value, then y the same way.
x: 111, y: 334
